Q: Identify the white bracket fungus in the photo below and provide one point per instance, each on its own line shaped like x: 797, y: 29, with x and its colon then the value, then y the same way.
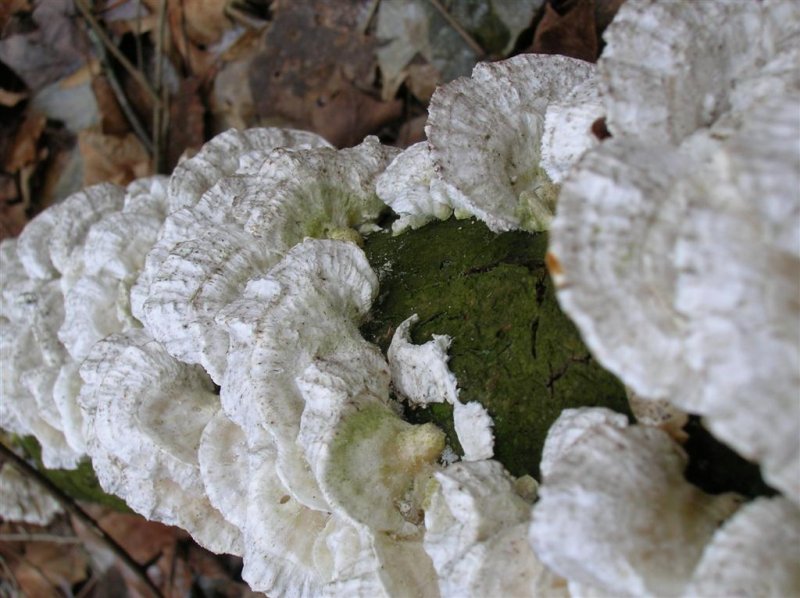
x: 485, y: 135
x: 568, y: 130
x: 68, y: 286
x: 410, y: 186
x: 675, y: 249
x: 330, y: 459
x: 766, y: 532
x: 131, y: 384
x: 473, y: 426
x: 225, y: 154
x: 419, y: 372
x: 615, y: 513
x: 476, y: 526
x: 240, y: 227
x: 274, y: 337
x: 651, y: 94
x: 709, y: 322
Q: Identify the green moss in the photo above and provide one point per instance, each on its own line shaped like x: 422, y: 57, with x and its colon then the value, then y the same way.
x: 513, y: 349
x: 80, y: 484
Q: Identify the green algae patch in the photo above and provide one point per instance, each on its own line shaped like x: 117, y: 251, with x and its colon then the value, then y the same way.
x: 80, y: 484
x: 513, y: 350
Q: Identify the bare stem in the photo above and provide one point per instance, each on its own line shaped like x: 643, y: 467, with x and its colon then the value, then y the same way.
x: 115, y: 51
x: 119, y: 94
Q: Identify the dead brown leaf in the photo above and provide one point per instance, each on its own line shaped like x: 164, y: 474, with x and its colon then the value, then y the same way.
x: 411, y: 131
x: 112, y: 119
x: 53, y: 49
x: 25, y: 148
x: 201, y: 21
x: 316, y: 71
x: 11, y: 98
x: 64, y: 565
x: 186, y: 120
x: 568, y: 28
x: 145, y: 541
x: 193, y: 25
x: 231, y: 101
x: 8, y: 8
x: 604, y: 13
x: 113, y: 158
x: 12, y: 209
x: 39, y: 566
x: 205, y: 20
x: 423, y: 78
x: 176, y: 564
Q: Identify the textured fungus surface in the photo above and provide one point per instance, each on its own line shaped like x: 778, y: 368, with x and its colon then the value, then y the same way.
x: 513, y: 350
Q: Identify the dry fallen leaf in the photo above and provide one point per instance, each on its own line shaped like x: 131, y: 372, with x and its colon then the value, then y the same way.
x: 422, y: 80
x: 11, y: 98
x: 12, y: 210
x: 117, y: 159
x: 9, y: 7
x: 41, y: 561
x: 193, y: 25
x: 231, y: 101
x: 567, y: 28
x: 63, y: 565
x: 186, y: 120
x: 53, y: 49
x: 147, y: 542
x: 411, y: 131
x: 112, y: 120
x: 25, y: 148
x: 317, y: 71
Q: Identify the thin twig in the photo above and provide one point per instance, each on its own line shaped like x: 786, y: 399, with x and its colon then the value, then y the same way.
x: 367, y: 21
x: 87, y: 587
x: 115, y: 51
x: 476, y: 47
x: 49, y: 538
x: 111, y: 6
x: 159, y: 109
x: 71, y: 507
x: 187, y: 66
x: 119, y: 93
x: 8, y: 574
x: 137, y: 39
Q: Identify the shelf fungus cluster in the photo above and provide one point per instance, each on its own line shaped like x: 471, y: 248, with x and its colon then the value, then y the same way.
x: 203, y: 338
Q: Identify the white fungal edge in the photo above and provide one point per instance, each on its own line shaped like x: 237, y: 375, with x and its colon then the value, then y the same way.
x: 421, y: 376
x: 485, y: 135
x: 419, y: 372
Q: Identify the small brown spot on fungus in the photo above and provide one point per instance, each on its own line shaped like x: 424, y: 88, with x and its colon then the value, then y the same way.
x: 553, y: 265
x: 600, y: 130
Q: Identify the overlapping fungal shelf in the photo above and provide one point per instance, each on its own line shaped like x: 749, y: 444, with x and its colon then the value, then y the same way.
x: 197, y: 337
